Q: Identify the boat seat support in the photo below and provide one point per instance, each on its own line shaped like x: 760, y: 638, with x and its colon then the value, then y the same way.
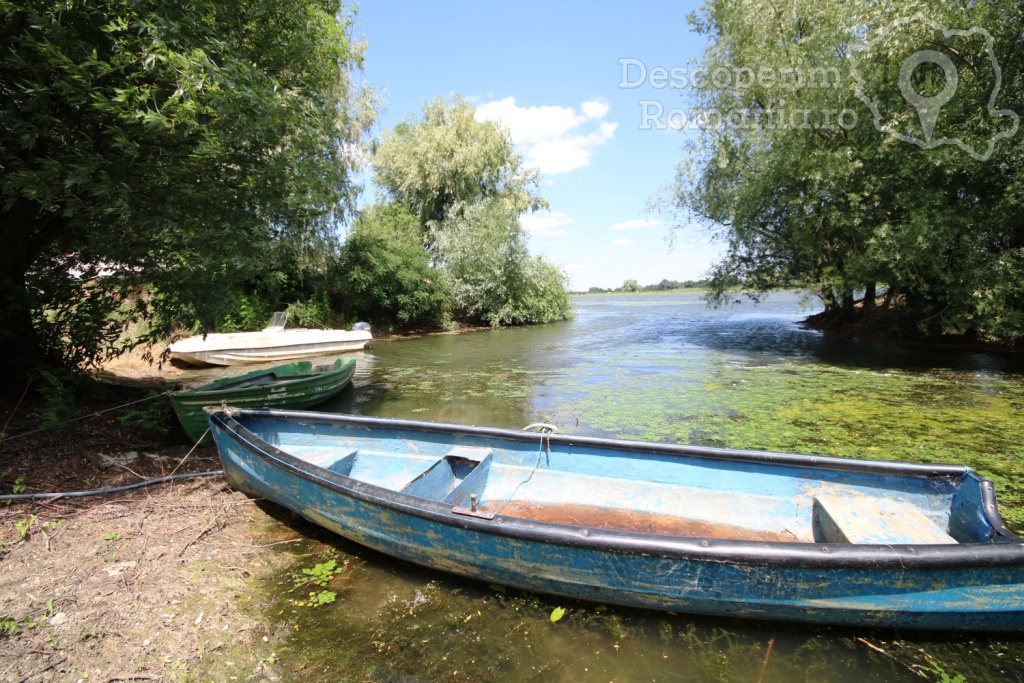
x: 461, y: 469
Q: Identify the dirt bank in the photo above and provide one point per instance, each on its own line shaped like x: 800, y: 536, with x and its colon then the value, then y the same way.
x: 152, y: 586
x: 158, y: 583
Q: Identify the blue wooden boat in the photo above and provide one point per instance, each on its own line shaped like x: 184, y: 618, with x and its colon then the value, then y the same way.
x: 683, y: 528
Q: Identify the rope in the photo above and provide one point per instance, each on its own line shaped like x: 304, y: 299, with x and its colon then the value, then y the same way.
x: 82, y: 417
x: 17, y: 405
x: 540, y: 451
x: 194, y: 447
x: 544, y: 427
x: 100, y: 492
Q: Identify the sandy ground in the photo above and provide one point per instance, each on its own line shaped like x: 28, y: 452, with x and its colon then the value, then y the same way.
x: 159, y: 583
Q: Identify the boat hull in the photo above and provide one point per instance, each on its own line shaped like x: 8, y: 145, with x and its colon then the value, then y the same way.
x: 262, y: 347
x: 958, y: 587
x: 294, y: 385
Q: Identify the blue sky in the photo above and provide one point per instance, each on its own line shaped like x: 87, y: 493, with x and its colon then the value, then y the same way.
x: 551, y: 72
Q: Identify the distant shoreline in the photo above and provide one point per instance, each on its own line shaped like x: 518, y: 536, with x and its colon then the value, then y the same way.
x: 857, y: 330
x: 687, y: 290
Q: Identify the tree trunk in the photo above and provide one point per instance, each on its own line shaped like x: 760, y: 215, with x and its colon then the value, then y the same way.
x: 828, y: 298
x: 24, y: 234
x: 848, y: 310
x: 869, y: 297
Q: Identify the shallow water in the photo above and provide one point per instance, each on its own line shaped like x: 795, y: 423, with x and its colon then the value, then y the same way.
x: 662, y: 368
x: 665, y: 368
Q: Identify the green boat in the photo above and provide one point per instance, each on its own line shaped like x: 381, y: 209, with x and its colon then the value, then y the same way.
x: 293, y: 385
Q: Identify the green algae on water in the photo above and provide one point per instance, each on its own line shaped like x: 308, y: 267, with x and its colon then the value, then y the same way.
x: 804, y: 407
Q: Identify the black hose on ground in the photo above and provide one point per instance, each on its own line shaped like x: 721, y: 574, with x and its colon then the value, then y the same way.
x: 100, y: 492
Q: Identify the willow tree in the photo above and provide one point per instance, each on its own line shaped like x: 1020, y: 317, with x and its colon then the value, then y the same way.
x: 467, y: 186
x: 818, y: 164
x: 164, y: 145
x: 447, y: 160
x: 493, y: 278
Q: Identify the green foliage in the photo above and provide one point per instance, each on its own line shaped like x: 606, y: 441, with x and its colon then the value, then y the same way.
x: 492, y: 276
x: 846, y: 209
x: 386, y: 274
x: 318, y: 599
x: 449, y: 160
x: 939, y: 674
x: 112, y: 536
x: 186, y: 149
x: 58, y: 394
x: 24, y: 526
x: 8, y: 626
x: 312, y: 312
x: 156, y: 415
x: 257, y: 299
x: 18, y: 487
x: 448, y: 243
x: 81, y: 320
x: 319, y: 574
x: 556, y: 614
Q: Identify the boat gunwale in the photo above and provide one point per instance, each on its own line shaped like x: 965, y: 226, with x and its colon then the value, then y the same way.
x: 219, y: 341
x: 1007, y: 553
x: 347, y: 370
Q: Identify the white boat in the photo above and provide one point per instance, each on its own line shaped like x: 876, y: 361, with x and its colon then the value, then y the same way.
x: 274, y: 343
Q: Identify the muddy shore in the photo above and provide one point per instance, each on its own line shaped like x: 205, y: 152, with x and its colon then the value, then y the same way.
x: 155, y: 583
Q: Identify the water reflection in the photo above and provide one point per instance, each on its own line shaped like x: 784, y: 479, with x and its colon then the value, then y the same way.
x: 394, y: 621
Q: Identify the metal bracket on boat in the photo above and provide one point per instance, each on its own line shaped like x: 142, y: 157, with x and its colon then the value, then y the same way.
x: 472, y: 510
x: 543, y: 427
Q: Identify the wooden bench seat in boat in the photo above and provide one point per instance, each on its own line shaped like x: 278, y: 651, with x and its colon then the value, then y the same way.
x: 381, y: 468
x: 463, y: 470
x: 424, y: 476
x: 863, y: 520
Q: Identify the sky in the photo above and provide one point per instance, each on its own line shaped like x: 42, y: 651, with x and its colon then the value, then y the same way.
x: 575, y: 83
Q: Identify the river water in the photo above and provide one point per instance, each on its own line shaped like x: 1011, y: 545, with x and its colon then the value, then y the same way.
x: 659, y: 367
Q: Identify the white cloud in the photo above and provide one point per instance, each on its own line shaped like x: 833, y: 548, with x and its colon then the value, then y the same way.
x: 546, y: 223
x: 552, y: 137
x: 594, y: 109
x: 623, y: 243
x: 636, y: 224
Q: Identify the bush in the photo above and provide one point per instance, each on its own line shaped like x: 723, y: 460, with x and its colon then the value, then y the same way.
x: 386, y: 276
x: 492, y: 276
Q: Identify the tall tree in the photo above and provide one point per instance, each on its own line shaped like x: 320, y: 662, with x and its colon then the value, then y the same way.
x: 448, y: 160
x: 467, y: 186
x: 813, y: 171
x: 386, y: 275
x: 166, y: 144
x: 493, y: 278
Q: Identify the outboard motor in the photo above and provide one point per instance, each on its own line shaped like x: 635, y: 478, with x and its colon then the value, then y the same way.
x: 361, y: 327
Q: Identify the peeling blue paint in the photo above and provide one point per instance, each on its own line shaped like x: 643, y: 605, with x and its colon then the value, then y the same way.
x: 730, y: 533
